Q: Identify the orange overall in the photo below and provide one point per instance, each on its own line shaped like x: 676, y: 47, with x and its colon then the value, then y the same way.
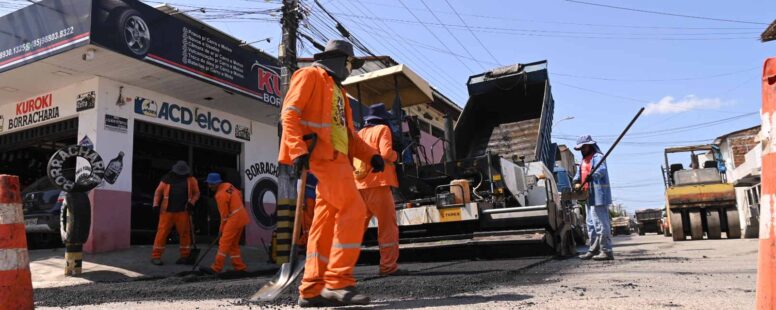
x: 178, y: 219
x: 234, y: 217
x: 375, y: 188
x: 334, y: 241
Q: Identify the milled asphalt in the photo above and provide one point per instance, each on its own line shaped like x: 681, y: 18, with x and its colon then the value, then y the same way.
x: 650, y: 272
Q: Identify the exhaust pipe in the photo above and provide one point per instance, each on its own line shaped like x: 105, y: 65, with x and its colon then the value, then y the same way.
x: 450, y: 137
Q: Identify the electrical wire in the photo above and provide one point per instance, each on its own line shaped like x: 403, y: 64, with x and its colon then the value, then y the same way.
x: 536, y: 21
x: 667, y: 13
x: 434, y: 35
x: 452, y: 34
x: 657, y: 80
x: 476, y: 37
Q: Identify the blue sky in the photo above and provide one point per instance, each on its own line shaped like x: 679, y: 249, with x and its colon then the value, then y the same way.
x: 604, y: 63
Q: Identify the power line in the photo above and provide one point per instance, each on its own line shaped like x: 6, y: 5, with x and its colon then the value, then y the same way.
x: 452, y: 34
x: 667, y: 13
x: 439, y: 76
x: 472, y: 32
x: 407, y: 42
x: 655, y: 80
x: 570, y: 34
x: 434, y: 35
x: 534, y: 21
x: 603, y: 93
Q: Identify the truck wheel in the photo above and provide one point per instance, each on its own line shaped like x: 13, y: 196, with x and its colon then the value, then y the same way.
x: 733, y: 224
x: 676, y: 225
x: 696, y: 225
x: 133, y: 34
x: 712, y: 221
x: 76, y: 218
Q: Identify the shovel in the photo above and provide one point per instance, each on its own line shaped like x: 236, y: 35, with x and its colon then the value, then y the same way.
x: 288, y: 271
x: 194, y: 251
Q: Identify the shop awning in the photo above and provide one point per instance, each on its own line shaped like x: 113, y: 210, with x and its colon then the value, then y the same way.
x: 380, y: 86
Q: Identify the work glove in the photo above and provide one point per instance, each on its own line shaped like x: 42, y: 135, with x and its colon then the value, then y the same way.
x: 300, y: 163
x: 189, y: 207
x: 589, y: 178
x: 378, y: 164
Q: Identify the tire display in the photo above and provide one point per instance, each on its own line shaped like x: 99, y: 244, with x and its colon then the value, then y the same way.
x: 55, y: 169
x: 75, y: 218
x: 133, y: 33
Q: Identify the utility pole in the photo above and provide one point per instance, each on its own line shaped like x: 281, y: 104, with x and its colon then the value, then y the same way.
x: 281, y: 238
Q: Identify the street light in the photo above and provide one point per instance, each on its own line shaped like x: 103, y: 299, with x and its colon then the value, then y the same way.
x: 562, y: 119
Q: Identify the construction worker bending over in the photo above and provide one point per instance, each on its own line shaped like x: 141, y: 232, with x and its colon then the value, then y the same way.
x: 234, y: 217
x: 375, y: 188
x: 316, y: 107
x: 176, y: 195
x: 598, y: 201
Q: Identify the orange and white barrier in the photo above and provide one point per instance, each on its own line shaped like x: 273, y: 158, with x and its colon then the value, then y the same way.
x: 766, y: 269
x: 15, y: 278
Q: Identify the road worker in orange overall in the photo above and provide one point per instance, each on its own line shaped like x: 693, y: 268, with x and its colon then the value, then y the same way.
x: 176, y: 195
x: 234, y: 217
x: 375, y: 188
x: 317, y: 105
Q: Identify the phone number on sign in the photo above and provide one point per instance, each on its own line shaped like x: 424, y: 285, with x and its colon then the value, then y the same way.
x: 39, y: 42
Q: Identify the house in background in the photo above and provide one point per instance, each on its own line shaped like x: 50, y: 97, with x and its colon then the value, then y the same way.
x: 742, y: 155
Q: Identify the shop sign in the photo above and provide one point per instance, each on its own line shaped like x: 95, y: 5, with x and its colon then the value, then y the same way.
x: 33, y: 111
x: 85, y: 101
x: 47, y: 28
x: 183, y: 115
x: 242, y: 132
x: 116, y: 123
x: 172, y: 43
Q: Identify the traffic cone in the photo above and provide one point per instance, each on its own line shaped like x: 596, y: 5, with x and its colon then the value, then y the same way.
x: 15, y: 278
x: 766, y: 269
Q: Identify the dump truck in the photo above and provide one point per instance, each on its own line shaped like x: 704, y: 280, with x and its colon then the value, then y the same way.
x: 649, y: 221
x: 698, y: 198
x: 498, y: 179
x: 621, y: 225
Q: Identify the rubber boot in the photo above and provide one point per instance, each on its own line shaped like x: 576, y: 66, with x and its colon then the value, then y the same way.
x: 315, y: 302
x: 587, y: 255
x: 345, y: 296
x: 604, y: 255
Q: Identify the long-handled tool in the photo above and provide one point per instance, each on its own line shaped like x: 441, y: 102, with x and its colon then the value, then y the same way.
x: 194, y: 250
x: 589, y: 176
x: 289, y: 271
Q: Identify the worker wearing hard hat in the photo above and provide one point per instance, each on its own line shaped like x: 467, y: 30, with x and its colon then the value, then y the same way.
x: 175, y: 196
x: 234, y: 217
x: 599, y: 198
x: 375, y: 188
x: 317, y: 107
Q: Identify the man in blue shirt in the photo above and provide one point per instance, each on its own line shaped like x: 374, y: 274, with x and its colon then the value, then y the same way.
x: 598, y: 201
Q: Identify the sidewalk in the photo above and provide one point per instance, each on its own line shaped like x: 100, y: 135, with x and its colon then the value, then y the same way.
x: 48, y: 265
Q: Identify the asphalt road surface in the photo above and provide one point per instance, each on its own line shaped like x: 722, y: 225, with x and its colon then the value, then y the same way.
x: 650, y: 272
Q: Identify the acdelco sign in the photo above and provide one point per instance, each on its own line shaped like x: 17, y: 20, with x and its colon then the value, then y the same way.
x: 182, y: 115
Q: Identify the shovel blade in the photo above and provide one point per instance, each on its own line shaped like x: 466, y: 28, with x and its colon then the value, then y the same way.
x: 282, y: 279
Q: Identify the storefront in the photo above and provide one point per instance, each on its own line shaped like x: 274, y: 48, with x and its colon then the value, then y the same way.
x: 145, y: 88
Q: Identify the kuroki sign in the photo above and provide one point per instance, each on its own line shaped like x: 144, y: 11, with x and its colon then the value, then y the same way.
x: 183, y: 115
x: 33, y: 111
x: 268, y: 83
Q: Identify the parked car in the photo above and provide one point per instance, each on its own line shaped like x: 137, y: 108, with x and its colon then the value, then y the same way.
x: 41, y: 205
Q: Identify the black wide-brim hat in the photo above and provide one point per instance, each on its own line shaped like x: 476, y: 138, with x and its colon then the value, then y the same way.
x: 339, y: 48
x: 378, y: 111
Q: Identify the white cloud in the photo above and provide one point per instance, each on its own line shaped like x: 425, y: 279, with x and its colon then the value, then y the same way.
x: 669, y: 104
